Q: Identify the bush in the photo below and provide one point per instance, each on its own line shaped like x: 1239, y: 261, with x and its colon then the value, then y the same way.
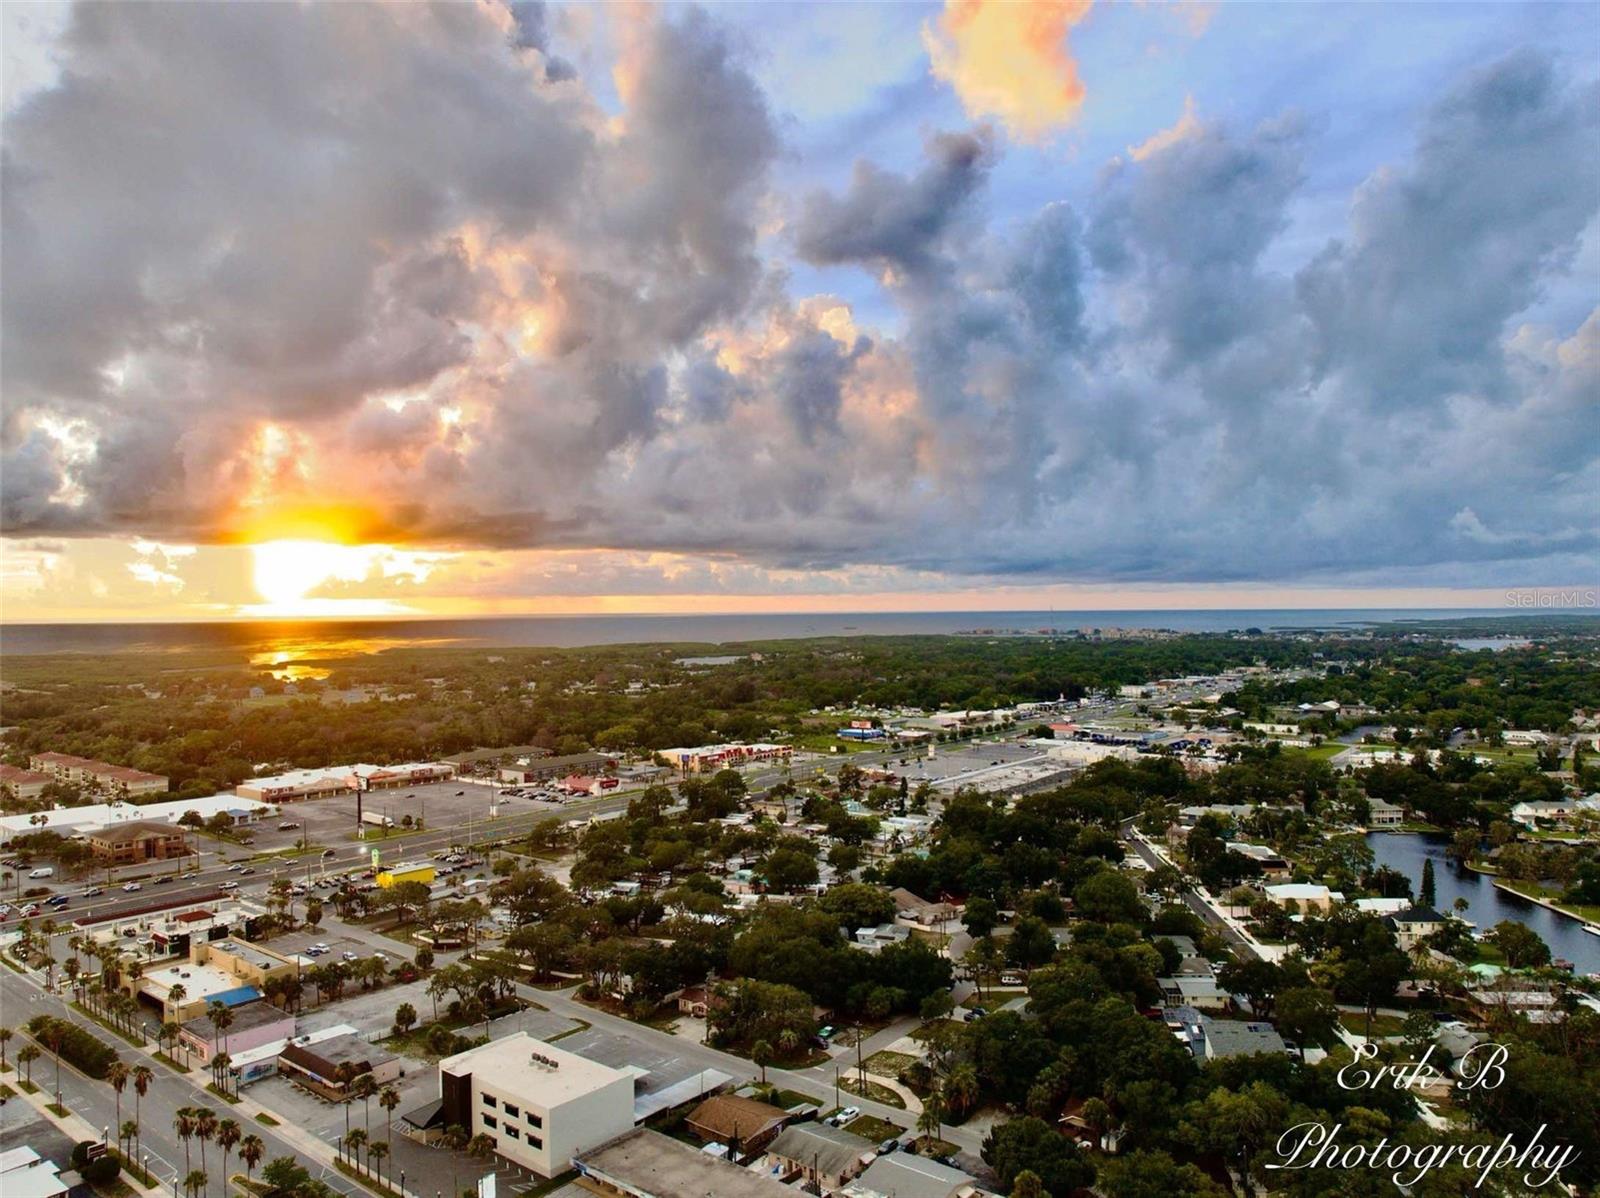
x: 86, y: 1052
x: 101, y: 1171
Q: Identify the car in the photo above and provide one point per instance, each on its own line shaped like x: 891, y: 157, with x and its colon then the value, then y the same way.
x: 93, y: 891
x: 288, y: 825
x: 849, y: 1113
x: 460, y: 793
x: 235, y: 868
x: 246, y: 870
x: 58, y: 901
x: 229, y: 886
x: 321, y: 947
x: 130, y: 887
x: 888, y: 1146
x: 30, y: 910
x: 193, y: 873
x: 825, y: 1032
x: 349, y: 956
x: 163, y: 880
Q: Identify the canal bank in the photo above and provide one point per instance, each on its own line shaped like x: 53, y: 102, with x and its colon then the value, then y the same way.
x: 1487, y: 903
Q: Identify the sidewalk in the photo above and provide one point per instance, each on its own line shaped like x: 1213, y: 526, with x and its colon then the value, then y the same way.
x: 72, y: 1125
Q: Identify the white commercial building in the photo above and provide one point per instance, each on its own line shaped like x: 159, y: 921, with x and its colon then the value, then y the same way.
x: 67, y: 820
x: 540, y: 1104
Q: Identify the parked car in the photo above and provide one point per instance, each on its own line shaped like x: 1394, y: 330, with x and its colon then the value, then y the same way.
x: 844, y: 1116
x: 888, y: 1146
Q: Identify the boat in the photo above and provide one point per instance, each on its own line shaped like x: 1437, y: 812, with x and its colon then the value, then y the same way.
x: 1592, y: 928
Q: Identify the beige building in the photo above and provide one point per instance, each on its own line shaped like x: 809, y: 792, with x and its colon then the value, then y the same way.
x: 540, y: 1104
x: 231, y: 971
x: 100, y: 775
x: 23, y: 785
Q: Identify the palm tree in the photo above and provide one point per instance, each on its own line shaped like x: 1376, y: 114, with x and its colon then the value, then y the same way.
x: 221, y: 1020
x: 205, y: 1126
x: 195, y: 1182
x: 353, y: 1144
x: 388, y: 1100
x: 761, y: 1054
x: 175, y: 996
x: 117, y: 1075
x: 454, y: 1137
x: 375, y: 1155
x: 345, y: 1073
x: 364, y: 1088
x: 183, y: 1126
x: 5, y: 1036
x: 54, y: 1036
x: 26, y: 1056
x: 228, y: 1135
x: 931, y: 1121
x: 142, y: 1077
x: 125, y: 1135
x: 481, y: 1145
x: 961, y: 1088
x: 251, y: 1150
x: 220, y: 1065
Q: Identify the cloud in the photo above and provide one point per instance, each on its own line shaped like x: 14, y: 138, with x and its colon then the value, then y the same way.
x: 1010, y: 61
x: 384, y: 274
x: 1188, y: 125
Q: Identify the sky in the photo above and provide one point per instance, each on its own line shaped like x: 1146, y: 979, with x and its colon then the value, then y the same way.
x: 326, y: 309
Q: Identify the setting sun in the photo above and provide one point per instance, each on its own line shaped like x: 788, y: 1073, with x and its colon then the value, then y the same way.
x: 287, y: 571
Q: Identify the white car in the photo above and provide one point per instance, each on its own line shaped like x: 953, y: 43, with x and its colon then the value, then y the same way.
x: 130, y: 887
x: 349, y: 956
x: 229, y: 886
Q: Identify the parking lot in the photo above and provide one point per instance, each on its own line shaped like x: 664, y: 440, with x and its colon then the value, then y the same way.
x: 332, y: 821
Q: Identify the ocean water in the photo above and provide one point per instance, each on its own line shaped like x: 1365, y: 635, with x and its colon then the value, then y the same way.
x: 341, y: 637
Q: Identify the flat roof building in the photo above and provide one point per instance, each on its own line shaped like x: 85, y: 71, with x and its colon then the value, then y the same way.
x: 318, y: 1066
x: 539, y: 1103
x: 647, y: 1164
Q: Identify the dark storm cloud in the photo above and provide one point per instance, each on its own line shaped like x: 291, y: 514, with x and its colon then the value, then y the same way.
x: 401, y: 258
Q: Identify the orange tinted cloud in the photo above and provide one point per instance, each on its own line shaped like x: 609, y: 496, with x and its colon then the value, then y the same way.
x: 1186, y: 127
x: 1011, y: 61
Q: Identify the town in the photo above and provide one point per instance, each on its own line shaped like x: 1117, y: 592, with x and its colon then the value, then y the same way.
x: 1036, y: 947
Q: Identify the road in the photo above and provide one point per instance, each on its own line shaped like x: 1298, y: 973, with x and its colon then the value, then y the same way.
x: 1193, y: 901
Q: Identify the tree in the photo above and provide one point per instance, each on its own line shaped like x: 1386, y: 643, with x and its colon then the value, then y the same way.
x: 1153, y: 1175
x: 405, y: 1017
x: 5, y: 1038
x: 388, y: 1100
x: 1096, y: 1116
x: 1426, y: 894
x: 143, y: 1075
x: 228, y: 1136
x: 761, y: 1054
x: 205, y: 1127
x: 481, y: 1145
x: 1307, y: 1014
x: 1522, y: 946
x: 1257, y: 980
x: 981, y: 916
x: 931, y: 1120
x: 26, y: 1056
x: 117, y: 1076
x: 1033, y: 1145
x: 251, y: 1150
x: 195, y: 1182
x: 1109, y: 896
x: 375, y: 1154
x: 183, y: 1127
x: 1028, y: 1185
x: 1030, y: 943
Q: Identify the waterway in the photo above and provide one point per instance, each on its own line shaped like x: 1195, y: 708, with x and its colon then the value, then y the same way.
x: 1487, y: 905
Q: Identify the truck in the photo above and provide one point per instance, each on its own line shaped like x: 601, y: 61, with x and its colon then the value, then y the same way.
x: 376, y: 819
x: 44, y: 871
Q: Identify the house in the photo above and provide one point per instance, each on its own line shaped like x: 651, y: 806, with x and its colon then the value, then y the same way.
x: 1271, y: 862
x: 1382, y: 814
x: 22, y: 785
x: 138, y: 841
x: 919, y: 911
x: 330, y: 1067
x: 1218, y: 1039
x: 1196, y: 991
x: 881, y: 936
x: 745, y: 1125
x: 904, y: 1175
x: 540, y: 1104
x: 1413, y: 925
x: 695, y: 1002
x: 822, y: 1155
x: 1558, y: 814
x: 1307, y: 896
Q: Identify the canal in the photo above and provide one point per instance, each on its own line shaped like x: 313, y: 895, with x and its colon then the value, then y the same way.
x: 1487, y: 905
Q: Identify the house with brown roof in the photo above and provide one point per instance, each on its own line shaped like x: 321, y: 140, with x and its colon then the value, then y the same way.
x: 137, y: 841
x: 745, y: 1125
x: 21, y: 784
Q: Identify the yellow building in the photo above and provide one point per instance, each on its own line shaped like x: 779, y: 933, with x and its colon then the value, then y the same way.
x: 407, y: 871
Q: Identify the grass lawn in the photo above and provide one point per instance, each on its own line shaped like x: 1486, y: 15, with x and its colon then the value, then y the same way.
x: 366, y: 1180
x: 1382, y: 1025
x: 873, y: 1128
x: 170, y: 1063
x: 117, y: 1031
x: 793, y: 1098
x: 263, y: 1117
x: 928, y: 1146
x: 28, y: 1087
x: 889, y: 1064
x: 873, y: 1091
x: 993, y: 998
x: 1551, y: 895
x: 933, y: 1028
x: 55, y: 1108
x: 226, y: 1097
x: 583, y: 1025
